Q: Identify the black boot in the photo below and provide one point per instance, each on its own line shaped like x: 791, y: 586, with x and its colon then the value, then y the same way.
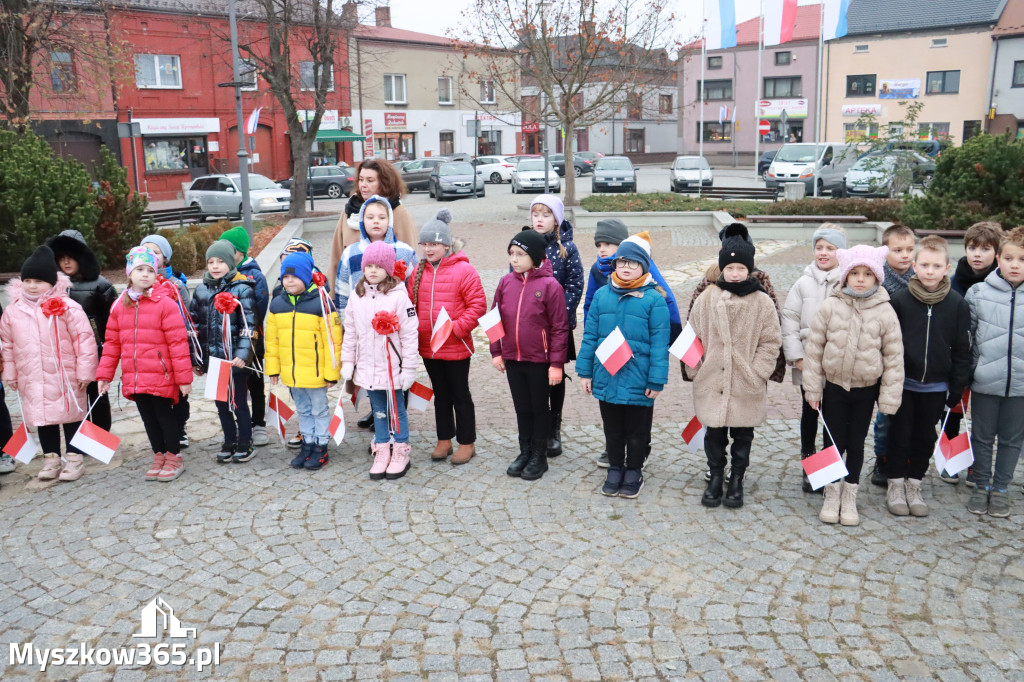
x: 734, y: 496
x: 537, y: 465
x: 516, y: 467
x: 807, y: 488
x: 713, y: 494
x: 555, y: 442
x: 366, y: 422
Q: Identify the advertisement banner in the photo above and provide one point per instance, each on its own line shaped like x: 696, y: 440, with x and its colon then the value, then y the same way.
x: 773, y: 108
x: 904, y: 88
x: 394, y: 119
x: 368, y: 142
x: 856, y: 110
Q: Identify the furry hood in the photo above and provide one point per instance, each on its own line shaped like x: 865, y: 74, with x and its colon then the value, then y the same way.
x: 72, y: 243
x: 16, y: 293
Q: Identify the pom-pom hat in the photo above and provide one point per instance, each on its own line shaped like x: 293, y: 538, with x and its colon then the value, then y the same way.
x: 436, y: 230
x: 636, y: 248
x: 382, y: 255
x: 871, y: 256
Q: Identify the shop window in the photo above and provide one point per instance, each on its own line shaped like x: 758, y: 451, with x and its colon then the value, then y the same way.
x: 394, y: 88
x: 446, y: 144
x: 174, y: 153
x: 716, y: 132
x: 62, y: 72
x: 933, y: 131
x: 777, y: 88
x: 158, y: 71
x: 307, y: 76
x: 444, y: 90
x: 489, y: 142
x: 783, y: 58
x: 943, y: 82
x: 487, y: 92
x: 853, y: 132
x: 860, y: 86
x: 634, y: 140
x: 716, y: 90
x: 793, y: 131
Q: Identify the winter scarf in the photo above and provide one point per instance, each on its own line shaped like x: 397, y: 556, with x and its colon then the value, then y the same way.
x: 744, y: 288
x: 894, y: 281
x: 848, y: 290
x: 966, y: 277
x: 214, y: 282
x: 355, y: 202
x: 918, y: 291
x: 622, y: 285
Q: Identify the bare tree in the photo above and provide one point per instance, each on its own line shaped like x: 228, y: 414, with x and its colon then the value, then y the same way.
x: 585, y: 59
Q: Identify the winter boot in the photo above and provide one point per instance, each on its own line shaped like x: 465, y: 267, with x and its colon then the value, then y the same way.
x: 399, y: 461
x: 713, y: 493
x: 896, y: 497
x: 51, y: 467
x: 516, y: 467
x: 74, y: 468
x: 848, y: 515
x: 317, y: 457
x: 366, y: 422
x: 537, y: 465
x: 734, y: 495
x: 174, y: 466
x: 158, y: 463
x: 441, y: 451
x: 555, y: 442
x: 381, y: 460
x: 299, y: 460
x: 830, y: 507
x: 914, y: 499
x: 464, y: 453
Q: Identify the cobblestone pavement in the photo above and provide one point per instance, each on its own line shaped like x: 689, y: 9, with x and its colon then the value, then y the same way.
x: 462, y: 572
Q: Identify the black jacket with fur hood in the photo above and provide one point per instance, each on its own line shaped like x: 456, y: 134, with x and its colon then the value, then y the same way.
x: 89, y: 288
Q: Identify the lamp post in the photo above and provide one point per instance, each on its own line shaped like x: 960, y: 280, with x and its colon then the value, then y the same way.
x: 543, y: 109
x: 243, y: 155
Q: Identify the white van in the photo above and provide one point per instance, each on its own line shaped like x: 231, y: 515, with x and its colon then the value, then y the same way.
x: 805, y: 161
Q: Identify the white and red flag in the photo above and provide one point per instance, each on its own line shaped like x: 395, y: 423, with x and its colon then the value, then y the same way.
x: 95, y: 442
x: 492, y: 326
x: 824, y: 467
x: 964, y: 400
x: 693, y: 435
x: 278, y: 414
x: 779, y: 21
x: 954, y: 455
x: 442, y: 330
x: 337, y: 426
x: 357, y: 396
x: 218, y: 380
x: 21, y: 446
x: 687, y: 347
x: 614, y: 352
x: 420, y: 396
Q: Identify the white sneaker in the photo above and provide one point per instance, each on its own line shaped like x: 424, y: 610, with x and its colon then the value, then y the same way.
x: 7, y: 464
x: 259, y: 435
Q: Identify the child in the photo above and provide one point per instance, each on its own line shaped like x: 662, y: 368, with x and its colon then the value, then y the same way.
x: 547, y: 217
x: 445, y: 279
x: 898, y: 270
x: 145, y: 329
x: 95, y: 294
x: 239, y: 239
x: 379, y: 355
x: 802, y: 303
x: 853, y: 357
x: 935, y: 323
x: 532, y: 353
x: 304, y: 351
x: 41, y: 326
x: 634, y: 304
x: 222, y: 277
x: 738, y: 325
x: 997, y: 393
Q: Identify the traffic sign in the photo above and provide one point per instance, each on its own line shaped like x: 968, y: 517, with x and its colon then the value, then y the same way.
x: 764, y: 127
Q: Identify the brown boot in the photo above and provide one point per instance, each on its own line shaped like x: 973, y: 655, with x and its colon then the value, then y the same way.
x: 442, y: 450
x: 464, y: 453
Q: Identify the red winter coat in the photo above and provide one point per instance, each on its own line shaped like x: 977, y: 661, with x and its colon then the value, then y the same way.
x: 532, y: 309
x: 455, y: 286
x: 149, y: 339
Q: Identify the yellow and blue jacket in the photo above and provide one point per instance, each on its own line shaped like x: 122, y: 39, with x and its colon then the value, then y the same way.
x: 298, y: 345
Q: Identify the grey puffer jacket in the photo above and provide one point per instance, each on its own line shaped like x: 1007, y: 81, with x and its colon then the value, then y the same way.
x: 997, y: 327
x: 802, y: 303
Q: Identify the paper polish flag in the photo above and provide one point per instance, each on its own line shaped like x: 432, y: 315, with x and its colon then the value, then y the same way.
x: 966, y: 399
x: 492, y: 326
x: 442, y: 330
x: 693, y: 435
x: 278, y: 414
x: 21, y: 446
x: 337, y: 426
x: 356, y: 398
x: 420, y: 396
x: 95, y: 442
x: 825, y: 467
x: 614, y: 352
x: 688, y: 347
x: 953, y: 455
x: 217, y: 379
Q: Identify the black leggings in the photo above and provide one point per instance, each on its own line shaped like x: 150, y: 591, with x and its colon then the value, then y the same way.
x: 236, y: 423
x: 454, y: 413
x: 182, y: 411
x: 627, y: 433
x: 161, y: 425
x: 49, y: 436
x: 808, y: 427
x: 257, y: 389
x: 528, y: 382
x: 6, y: 428
x: 848, y: 417
x: 101, y: 410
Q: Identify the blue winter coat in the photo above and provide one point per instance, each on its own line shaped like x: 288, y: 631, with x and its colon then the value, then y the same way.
x: 642, y: 317
x: 601, y: 270
x: 568, y: 271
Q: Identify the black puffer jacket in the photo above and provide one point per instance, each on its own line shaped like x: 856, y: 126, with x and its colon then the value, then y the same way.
x: 89, y: 288
x: 936, y: 339
x: 208, y: 320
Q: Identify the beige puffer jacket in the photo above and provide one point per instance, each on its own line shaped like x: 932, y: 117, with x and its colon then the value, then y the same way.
x: 853, y: 343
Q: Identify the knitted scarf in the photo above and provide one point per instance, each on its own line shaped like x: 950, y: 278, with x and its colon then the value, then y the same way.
x: 619, y: 283
x: 918, y: 291
x: 214, y: 282
x: 743, y: 288
x: 894, y: 281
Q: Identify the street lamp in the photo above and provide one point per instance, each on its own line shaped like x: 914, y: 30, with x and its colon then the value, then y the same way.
x: 243, y: 155
x: 542, y: 5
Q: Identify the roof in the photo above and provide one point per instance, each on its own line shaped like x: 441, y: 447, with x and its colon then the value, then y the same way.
x: 400, y: 35
x: 891, y: 16
x: 1011, y: 23
x: 808, y: 26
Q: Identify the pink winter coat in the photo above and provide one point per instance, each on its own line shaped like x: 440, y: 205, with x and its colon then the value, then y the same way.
x: 149, y: 340
x: 30, y: 358
x: 366, y: 348
x: 455, y: 286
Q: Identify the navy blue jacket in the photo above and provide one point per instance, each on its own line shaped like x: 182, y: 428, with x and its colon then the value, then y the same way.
x: 601, y: 270
x: 568, y: 271
x: 208, y: 320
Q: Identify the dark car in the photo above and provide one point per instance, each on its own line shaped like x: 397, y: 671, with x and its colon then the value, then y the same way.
x: 614, y: 174
x: 765, y: 161
x: 925, y: 147
x: 455, y: 179
x: 580, y: 166
x: 333, y: 181
x: 416, y: 174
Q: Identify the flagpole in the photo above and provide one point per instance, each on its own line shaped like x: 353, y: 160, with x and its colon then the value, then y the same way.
x: 817, y: 95
x: 703, y: 61
x: 757, y: 100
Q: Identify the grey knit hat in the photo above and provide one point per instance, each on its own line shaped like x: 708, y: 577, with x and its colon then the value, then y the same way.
x: 436, y: 229
x: 831, y: 233
x: 610, y: 231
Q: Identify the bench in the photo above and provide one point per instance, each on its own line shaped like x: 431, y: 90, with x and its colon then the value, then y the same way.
x: 771, y: 193
x: 806, y: 219
x: 945, y: 234
x: 168, y: 217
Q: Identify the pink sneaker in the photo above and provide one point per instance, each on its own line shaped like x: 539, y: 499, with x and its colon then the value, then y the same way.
x: 74, y: 468
x: 174, y: 466
x: 399, y: 461
x: 158, y: 464
x: 381, y: 460
x: 51, y: 467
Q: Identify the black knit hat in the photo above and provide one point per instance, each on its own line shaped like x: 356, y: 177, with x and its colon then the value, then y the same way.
x: 736, y: 250
x: 41, y: 265
x: 532, y: 242
x: 735, y: 230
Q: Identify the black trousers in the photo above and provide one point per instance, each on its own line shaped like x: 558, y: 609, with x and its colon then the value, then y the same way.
x: 627, y: 433
x: 528, y: 382
x: 848, y: 417
x: 454, y: 413
x: 6, y: 427
x: 258, y: 391
x: 161, y: 425
x: 808, y: 427
x: 716, y: 440
x: 101, y: 411
x: 182, y: 411
x: 912, y: 434
x: 953, y: 425
x: 49, y: 436
x: 240, y: 434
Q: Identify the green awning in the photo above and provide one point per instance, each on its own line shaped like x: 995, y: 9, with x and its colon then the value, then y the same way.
x: 338, y: 136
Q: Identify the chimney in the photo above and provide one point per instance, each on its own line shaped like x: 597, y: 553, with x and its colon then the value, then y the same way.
x: 383, y: 16
x: 350, y: 13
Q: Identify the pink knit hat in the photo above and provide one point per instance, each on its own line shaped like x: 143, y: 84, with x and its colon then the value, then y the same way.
x: 381, y: 254
x: 862, y: 254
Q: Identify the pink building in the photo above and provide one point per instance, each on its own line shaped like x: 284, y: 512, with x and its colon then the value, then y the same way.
x: 789, y: 76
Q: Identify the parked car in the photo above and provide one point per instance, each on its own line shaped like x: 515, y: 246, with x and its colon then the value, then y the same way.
x: 888, y: 174
x: 921, y: 166
x: 399, y: 165
x: 614, y: 174
x: 687, y: 172
x: 222, y: 195
x: 580, y: 166
x: 416, y: 174
x: 592, y: 157
x: 455, y: 179
x: 497, y: 169
x: 529, y: 176
x: 765, y: 161
x: 334, y: 181
x: 829, y: 162
x: 932, y: 148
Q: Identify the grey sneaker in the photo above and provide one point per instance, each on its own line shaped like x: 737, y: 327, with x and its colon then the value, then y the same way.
x: 999, y: 504
x: 978, y: 503
x: 7, y: 464
x: 259, y: 435
x: 602, y: 461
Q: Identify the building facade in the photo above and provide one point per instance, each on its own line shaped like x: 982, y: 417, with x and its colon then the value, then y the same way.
x: 1006, y: 89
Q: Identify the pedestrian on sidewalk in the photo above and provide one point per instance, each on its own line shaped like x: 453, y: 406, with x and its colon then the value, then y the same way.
x: 445, y: 279
x: 145, y: 329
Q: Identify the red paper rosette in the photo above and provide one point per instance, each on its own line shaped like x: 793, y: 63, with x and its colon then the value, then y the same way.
x: 54, y: 307
x: 400, y: 270
x: 385, y: 322
x: 225, y: 303
x: 319, y: 279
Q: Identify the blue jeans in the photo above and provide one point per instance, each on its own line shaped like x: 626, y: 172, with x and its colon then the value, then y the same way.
x: 314, y: 414
x: 379, y: 405
x: 242, y: 434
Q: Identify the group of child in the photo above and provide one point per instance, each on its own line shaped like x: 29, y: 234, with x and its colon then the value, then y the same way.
x: 862, y: 326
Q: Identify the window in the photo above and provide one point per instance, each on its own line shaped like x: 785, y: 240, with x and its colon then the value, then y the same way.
x: 634, y: 106
x: 860, y: 49
x: 1018, y: 74
x: 716, y: 132
x: 158, y: 71
x: 664, y: 104
x: 853, y: 132
x: 490, y: 141
x: 62, y: 72
x: 933, y: 131
x: 714, y: 63
x: 860, y: 86
x: 793, y: 131
x: 444, y: 90
x: 447, y: 143
x: 939, y: 42
x: 394, y: 88
x: 783, y: 87
x: 247, y: 73
x: 487, y: 92
x: 716, y: 90
x: 634, y: 140
x: 307, y: 71
x: 971, y: 129
x: 175, y: 153
x: 943, y: 82
x: 783, y: 58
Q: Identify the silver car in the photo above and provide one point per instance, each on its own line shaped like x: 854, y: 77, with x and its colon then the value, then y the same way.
x: 222, y: 195
x: 528, y: 176
x: 689, y: 171
x: 614, y: 174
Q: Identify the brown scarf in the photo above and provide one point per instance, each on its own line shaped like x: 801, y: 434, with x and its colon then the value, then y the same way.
x: 918, y: 291
x: 620, y: 283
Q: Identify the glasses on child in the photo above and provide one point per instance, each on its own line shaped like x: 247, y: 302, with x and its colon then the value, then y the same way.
x: 627, y: 263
